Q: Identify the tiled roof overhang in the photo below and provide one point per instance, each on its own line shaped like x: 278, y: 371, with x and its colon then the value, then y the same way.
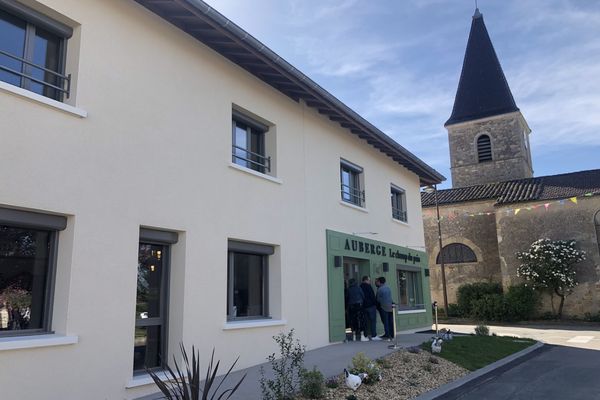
x: 201, y: 21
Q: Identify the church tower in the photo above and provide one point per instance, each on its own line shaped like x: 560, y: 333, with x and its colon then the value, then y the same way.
x: 488, y: 136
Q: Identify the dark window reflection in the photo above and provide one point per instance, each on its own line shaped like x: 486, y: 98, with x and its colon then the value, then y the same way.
x: 149, y: 309
x: 12, y: 41
x: 46, y: 54
x: 24, y: 255
x: 248, y: 278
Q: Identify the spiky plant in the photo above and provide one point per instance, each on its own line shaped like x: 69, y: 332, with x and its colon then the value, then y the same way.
x: 184, y: 382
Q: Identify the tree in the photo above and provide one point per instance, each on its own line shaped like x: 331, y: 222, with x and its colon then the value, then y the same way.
x: 549, y: 265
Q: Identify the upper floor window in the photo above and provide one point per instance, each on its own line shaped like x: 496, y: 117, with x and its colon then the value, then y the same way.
x: 457, y: 253
x: 248, y: 143
x: 351, y: 176
x: 484, y: 148
x: 398, y: 203
x: 28, y: 243
x: 32, y: 51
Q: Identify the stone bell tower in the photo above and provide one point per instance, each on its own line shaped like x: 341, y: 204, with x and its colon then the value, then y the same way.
x: 488, y: 135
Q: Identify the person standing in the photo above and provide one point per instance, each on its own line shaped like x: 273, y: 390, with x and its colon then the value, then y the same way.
x: 355, y: 304
x: 384, y: 301
x: 369, y: 308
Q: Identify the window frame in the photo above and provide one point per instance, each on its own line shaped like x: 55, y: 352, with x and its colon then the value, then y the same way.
x: 52, y: 224
x: 34, y: 20
x: 165, y: 239
x: 396, y: 193
x: 420, y: 302
x: 355, y: 191
x: 463, y: 259
x: 255, y: 249
x: 253, y: 129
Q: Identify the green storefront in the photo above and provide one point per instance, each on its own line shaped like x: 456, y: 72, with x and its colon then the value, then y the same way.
x: 405, y: 270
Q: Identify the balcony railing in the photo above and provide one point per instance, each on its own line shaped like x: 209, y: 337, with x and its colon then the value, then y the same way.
x: 255, y: 161
x: 63, y: 81
x: 399, y: 214
x: 353, y: 195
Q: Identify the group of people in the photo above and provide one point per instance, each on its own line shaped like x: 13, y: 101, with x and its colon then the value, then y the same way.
x: 363, y: 304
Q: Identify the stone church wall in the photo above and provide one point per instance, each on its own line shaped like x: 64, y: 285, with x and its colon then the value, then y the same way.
x: 478, y: 232
x: 559, y: 222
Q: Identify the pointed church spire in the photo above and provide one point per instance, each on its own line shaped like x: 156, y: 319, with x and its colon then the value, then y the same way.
x: 482, y: 89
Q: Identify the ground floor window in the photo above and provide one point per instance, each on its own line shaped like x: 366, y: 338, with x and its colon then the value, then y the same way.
x: 248, y: 280
x: 410, y: 292
x: 151, y: 299
x: 27, y: 262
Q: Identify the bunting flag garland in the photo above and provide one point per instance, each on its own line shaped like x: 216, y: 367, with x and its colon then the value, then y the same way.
x: 514, y: 211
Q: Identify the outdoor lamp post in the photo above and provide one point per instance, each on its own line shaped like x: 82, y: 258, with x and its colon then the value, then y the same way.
x: 433, y: 189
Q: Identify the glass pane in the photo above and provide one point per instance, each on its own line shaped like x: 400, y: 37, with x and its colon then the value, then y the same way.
x: 46, y: 53
x: 147, y: 347
x: 346, y: 184
x: 149, y: 281
x: 256, y: 146
x: 247, y: 285
x: 240, y: 141
x: 23, y: 272
x: 12, y: 41
x: 402, y: 289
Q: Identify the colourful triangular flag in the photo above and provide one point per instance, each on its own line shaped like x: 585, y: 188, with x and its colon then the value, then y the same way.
x: 573, y: 199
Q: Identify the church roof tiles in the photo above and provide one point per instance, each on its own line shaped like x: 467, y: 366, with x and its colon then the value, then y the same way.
x: 522, y: 190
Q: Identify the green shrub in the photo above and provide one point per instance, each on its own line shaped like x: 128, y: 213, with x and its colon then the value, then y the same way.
x: 490, y: 307
x: 471, y: 292
x: 384, y: 363
x: 332, y: 383
x: 522, y: 303
x: 482, y: 330
x: 454, y: 310
x: 592, y: 317
x: 363, y: 364
x: 287, y: 368
x: 312, y: 384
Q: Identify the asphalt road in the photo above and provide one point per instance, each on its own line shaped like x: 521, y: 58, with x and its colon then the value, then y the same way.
x: 568, y: 367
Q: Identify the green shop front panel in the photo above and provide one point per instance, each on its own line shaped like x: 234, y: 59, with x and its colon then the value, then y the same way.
x: 374, y: 258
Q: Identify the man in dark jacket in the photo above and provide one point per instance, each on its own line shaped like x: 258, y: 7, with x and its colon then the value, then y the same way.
x: 369, y: 308
x: 355, y: 304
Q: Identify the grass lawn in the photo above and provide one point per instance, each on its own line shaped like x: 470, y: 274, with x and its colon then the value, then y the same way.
x: 474, y: 352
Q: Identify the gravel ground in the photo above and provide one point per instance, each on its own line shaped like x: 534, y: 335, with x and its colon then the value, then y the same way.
x: 407, y: 376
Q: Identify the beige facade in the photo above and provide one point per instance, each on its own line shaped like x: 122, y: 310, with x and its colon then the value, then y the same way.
x: 145, y: 141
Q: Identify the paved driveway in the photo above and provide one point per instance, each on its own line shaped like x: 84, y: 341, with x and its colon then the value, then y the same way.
x: 567, y: 368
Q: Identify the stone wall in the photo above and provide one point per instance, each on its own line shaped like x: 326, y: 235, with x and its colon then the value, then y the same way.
x: 477, y: 232
x: 559, y: 222
x: 511, y: 158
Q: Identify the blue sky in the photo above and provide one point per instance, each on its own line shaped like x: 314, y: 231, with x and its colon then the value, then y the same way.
x: 397, y: 63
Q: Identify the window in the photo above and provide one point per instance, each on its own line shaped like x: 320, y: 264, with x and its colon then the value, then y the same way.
x: 28, y: 243
x: 597, y: 223
x: 247, y: 280
x: 32, y: 51
x: 152, y: 299
x: 484, y: 148
x: 398, y: 204
x: 410, y: 292
x: 248, y: 149
x: 457, y: 253
x: 351, y: 176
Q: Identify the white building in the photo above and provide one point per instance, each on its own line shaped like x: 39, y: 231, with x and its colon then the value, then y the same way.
x: 132, y: 218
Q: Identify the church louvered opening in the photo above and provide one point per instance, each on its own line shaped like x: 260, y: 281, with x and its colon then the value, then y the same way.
x: 484, y: 148
x: 457, y: 253
x: 597, y: 223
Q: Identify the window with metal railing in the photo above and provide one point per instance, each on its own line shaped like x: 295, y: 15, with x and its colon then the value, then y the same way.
x: 32, y: 51
x: 248, y: 144
x: 398, y: 197
x: 351, y: 185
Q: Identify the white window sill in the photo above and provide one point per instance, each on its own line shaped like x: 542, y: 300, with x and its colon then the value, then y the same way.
x: 411, y: 311
x: 400, y: 222
x: 257, y: 323
x: 29, y: 342
x: 145, y: 379
x: 255, y: 173
x: 6, y: 87
x: 345, y: 203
